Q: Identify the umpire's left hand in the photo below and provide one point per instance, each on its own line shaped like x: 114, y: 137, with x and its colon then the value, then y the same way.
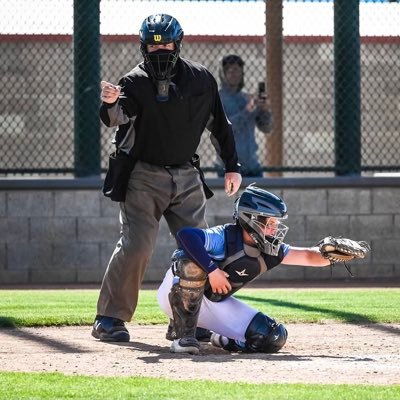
x: 232, y: 182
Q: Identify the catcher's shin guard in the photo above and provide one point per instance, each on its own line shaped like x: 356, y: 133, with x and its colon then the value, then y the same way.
x: 185, y: 298
x: 265, y: 335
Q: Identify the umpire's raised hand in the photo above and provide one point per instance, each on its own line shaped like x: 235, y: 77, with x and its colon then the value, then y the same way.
x: 109, y: 92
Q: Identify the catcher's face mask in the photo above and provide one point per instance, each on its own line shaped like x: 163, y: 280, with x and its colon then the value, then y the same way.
x: 268, y: 233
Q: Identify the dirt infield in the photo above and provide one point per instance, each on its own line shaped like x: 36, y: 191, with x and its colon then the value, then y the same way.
x: 317, y: 353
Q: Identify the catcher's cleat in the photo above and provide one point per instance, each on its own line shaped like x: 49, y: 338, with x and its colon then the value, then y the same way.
x: 188, y: 345
x: 218, y: 340
x: 227, y: 344
x: 108, y: 329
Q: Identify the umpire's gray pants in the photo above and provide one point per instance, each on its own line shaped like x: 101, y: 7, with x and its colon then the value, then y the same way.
x: 153, y: 191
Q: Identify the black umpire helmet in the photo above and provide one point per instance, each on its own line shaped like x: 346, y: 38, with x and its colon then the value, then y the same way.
x: 160, y: 29
x: 252, y: 210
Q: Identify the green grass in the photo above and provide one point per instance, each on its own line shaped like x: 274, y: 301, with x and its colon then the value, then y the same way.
x: 57, y: 386
x: 78, y: 307
x: 351, y: 305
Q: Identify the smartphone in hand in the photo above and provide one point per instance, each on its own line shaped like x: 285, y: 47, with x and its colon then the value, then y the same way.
x: 261, y: 91
x: 262, y: 96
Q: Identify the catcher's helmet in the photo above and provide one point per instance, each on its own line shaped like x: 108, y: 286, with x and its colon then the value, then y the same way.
x: 160, y: 29
x: 252, y: 210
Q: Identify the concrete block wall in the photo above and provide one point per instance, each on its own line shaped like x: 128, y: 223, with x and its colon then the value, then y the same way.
x: 67, y: 236
x: 60, y: 236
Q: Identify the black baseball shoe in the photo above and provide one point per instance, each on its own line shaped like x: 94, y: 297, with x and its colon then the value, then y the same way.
x: 109, y: 329
x: 227, y: 344
x: 185, y: 345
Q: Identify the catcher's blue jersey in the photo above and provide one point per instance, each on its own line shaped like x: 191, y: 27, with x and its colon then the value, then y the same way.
x: 224, y: 244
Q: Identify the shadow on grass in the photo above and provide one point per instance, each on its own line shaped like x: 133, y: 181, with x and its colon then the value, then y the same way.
x: 7, y: 322
x: 341, y: 315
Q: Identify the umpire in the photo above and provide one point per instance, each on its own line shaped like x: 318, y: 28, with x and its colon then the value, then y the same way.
x: 160, y: 109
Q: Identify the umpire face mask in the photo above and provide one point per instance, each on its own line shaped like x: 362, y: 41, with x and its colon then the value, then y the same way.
x: 160, y: 63
x: 161, y: 66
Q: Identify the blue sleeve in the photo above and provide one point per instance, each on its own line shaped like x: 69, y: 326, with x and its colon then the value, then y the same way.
x: 192, y: 241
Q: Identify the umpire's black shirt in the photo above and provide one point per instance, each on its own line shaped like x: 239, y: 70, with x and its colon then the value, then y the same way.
x: 168, y: 133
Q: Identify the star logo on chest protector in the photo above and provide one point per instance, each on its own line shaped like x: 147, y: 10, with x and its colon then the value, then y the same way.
x: 241, y: 273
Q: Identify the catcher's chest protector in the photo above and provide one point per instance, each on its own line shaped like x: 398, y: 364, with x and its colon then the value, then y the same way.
x: 243, y: 263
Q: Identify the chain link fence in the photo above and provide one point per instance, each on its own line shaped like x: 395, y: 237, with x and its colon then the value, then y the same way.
x: 331, y: 69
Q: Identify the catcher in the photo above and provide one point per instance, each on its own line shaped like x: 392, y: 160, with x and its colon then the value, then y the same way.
x: 212, y: 264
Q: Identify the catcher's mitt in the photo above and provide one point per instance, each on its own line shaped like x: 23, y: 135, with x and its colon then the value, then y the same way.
x: 342, y: 249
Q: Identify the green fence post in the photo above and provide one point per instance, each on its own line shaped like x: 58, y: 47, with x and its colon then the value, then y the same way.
x: 86, y: 41
x: 347, y: 88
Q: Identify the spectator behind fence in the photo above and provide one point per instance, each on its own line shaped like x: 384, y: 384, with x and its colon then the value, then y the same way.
x: 245, y: 111
x: 161, y: 109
